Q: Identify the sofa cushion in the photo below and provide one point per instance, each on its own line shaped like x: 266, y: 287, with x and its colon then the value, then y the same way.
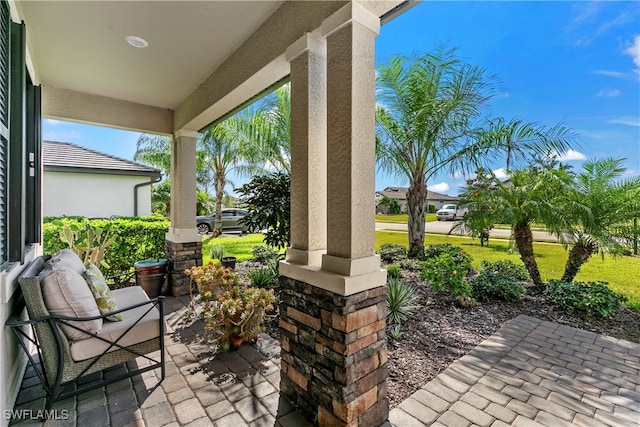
x: 146, y: 329
x: 65, y: 292
x: 101, y: 292
x: 65, y: 259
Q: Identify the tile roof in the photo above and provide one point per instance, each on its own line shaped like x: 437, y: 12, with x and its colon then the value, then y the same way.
x: 68, y: 157
x: 400, y: 193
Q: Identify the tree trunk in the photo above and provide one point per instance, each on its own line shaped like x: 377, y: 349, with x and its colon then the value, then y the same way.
x: 524, y: 242
x: 416, y: 198
x: 578, y: 255
x: 219, y: 184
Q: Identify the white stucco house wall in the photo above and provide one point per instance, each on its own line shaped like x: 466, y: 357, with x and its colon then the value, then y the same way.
x: 83, y: 182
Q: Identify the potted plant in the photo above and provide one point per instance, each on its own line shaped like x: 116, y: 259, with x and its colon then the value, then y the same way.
x: 232, y: 312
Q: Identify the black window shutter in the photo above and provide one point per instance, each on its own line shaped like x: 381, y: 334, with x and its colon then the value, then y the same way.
x: 33, y: 170
x: 17, y: 158
x: 5, y: 21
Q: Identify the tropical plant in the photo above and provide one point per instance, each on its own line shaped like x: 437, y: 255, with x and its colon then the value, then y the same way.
x: 401, y: 301
x: 161, y: 198
x: 460, y: 257
x: 268, y: 200
x: 154, y: 150
x: 394, y: 271
x: 231, y: 312
x: 392, y: 204
x: 426, y: 117
x: 442, y: 272
x: 598, y: 206
x: 263, y: 253
x: 590, y: 298
x: 262, y: 277
x: 90, y: 243
x: 493, y: 285
x: 506, y: 267
x: 391, y: 253
x: 216, y: 252
x: 204, y: 203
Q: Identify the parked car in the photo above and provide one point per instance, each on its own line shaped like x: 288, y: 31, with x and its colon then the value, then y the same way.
x: 230, y: 221
x: 450, y: 212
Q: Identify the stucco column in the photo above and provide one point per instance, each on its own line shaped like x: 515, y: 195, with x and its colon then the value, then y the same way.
x: 308, y: 150
x: 183, y: 243
x: 350, y: 35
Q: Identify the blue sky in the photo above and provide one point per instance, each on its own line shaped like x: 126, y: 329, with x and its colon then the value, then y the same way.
x: 575, y: 62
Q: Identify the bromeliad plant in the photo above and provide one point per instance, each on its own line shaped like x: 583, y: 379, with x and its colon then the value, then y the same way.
x: 231, y: 312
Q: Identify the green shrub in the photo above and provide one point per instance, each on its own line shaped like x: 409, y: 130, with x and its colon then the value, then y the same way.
x: 459, y: 256
x: 391, y: 253
x: 264, y: 254
x: 590, y: 298
x: 262, y: 278
x: 394, y: 271
x: 216, y: 252
x: 410, y: 264
x: 136, y: 239
x: 444, y: 272
x: 400, y: 301
x: 507, y: 268
x: 492, y: 285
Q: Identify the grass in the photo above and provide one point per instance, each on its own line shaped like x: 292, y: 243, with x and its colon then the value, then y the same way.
x: 239, y: 247
x: 621, y: 273
x: 402, y: 218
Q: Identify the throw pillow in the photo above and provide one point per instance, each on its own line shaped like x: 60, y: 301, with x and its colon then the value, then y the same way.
x: 101, y: 292
x: 65, y: 259
x: 66, y: 293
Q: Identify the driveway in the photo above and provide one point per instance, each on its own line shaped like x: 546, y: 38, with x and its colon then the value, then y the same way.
x: 443, y: 227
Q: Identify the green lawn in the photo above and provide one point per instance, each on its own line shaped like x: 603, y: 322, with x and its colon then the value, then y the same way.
x: 621, y: 273
x: 402, y: 218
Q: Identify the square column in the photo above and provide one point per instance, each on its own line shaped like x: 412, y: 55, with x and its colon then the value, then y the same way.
x: 333, y: 315
x: 183, y: 243
x: 307, y: 57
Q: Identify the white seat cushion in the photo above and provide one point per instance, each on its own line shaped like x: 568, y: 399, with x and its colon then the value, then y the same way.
x: 148, y: 328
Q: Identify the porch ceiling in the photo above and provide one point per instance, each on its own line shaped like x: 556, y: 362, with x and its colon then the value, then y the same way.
x: 204, y: 58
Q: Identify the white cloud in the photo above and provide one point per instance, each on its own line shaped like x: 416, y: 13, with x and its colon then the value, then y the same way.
x: 633, y: 50
x: 442, y: 187
x: 570, y: 155
x: 626, y: 120
x: 500, y: 173
x: 608, y: 93
x: 62, y: 136
x: 53, y: 122
x: 609, y: 73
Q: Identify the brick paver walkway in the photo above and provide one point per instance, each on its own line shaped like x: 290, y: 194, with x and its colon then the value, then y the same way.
x: 529, y: 373
x: 533, y: 373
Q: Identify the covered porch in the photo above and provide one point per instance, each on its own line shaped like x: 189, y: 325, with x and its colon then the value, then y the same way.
x: 176, y: 68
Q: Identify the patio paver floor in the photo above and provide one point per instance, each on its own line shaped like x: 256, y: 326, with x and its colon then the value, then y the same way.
x: 529, y: 373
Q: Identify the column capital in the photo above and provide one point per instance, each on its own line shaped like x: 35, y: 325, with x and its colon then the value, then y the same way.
x: 307, y: 43
x: 352, y: 12
x: 186, y: 133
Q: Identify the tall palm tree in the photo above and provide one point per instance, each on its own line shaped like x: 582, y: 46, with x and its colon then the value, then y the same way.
x: 599, y: 203
x: 154, y: 150
x: 427, y: 107
x: 521, y: 140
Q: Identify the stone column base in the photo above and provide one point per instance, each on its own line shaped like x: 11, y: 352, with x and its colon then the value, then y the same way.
x: 181, y: 256
x: 334, y: 355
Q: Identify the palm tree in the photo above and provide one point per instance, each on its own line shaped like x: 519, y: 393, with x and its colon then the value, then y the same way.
x: 425, y: 121
x: 598, y: 204
x: 154, y: 150
x: 521, y: 140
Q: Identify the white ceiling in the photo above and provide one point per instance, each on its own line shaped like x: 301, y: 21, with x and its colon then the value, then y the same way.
x: 81, y: 46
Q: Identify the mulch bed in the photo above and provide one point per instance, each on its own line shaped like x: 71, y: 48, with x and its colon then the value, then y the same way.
x: 441, y: 332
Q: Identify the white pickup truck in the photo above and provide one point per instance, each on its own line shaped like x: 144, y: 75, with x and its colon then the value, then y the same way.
x: 450, y: 212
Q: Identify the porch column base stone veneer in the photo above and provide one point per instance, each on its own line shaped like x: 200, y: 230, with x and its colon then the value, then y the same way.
x: 181, y: 256
x: 334, y: 355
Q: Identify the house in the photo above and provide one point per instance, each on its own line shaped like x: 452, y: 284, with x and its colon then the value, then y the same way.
x: 400, y: 195
x: 175, y: 69
x: 83, y: 182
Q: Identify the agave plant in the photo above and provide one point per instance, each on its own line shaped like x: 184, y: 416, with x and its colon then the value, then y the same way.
x: 400, y: 301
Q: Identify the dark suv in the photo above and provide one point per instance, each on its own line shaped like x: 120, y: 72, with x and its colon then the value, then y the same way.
x: 230, y: 221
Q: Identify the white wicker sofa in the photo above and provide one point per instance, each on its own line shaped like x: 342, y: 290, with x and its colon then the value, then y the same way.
x: 72, y: 339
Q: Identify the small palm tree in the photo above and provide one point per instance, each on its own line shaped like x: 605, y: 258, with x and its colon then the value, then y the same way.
x: 597, y: 206
x: 154, y: 150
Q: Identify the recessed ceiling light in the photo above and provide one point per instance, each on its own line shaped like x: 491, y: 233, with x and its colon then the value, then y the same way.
x: 136, y: 41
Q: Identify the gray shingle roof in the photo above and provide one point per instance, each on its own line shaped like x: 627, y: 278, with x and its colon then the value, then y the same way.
x: 400, y: 193
x: 68, y: 157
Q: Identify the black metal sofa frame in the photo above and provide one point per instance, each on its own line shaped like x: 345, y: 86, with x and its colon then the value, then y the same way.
x: 52, y: 361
